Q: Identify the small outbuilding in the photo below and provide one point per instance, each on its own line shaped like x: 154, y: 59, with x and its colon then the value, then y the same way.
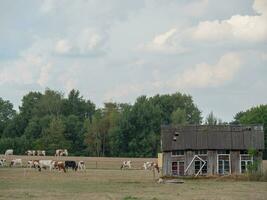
x: 209, y: 150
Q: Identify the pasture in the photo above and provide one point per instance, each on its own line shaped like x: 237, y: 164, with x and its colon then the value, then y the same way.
x: 108, y: 182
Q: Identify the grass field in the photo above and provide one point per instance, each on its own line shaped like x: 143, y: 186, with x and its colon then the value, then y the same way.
x: 19, y: 183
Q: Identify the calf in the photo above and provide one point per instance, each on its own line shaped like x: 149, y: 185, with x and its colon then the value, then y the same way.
x: 71, y: 164
x: 15, y: 162
x: 81, y: 165
x: 126, y: 164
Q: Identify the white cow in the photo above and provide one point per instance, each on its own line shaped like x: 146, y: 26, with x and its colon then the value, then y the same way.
x: 81, y: 165
x: 61, y: 152
x: 40, y: 153
x: 2, y: 162
x: 126, y: 164
x: 9, y: 152
x: 15, y: 162
x: 46, y: 164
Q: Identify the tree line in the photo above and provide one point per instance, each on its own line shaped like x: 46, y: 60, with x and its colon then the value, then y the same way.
x: 49, y: 121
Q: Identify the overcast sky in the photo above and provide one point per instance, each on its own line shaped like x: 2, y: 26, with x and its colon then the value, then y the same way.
x: 117, y: 50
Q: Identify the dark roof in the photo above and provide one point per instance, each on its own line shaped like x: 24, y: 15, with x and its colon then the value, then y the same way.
x: 235, y: 137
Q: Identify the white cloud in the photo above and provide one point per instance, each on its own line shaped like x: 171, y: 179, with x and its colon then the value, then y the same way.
x: 205, y: 75
x: 62, y: 46
x: 239, y: 27
x: 82, y: 42
x: 164, y: 43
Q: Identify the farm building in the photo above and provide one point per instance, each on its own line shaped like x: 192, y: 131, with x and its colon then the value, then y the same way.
x: 209, y: 150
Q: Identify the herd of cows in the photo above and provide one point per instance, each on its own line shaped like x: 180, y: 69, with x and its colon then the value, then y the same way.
x: 61, y: 165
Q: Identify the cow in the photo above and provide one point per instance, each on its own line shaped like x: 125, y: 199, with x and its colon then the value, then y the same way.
x: 46, y: 164
x: 151, y: 166
x: 81, y: 165
x: 15, y: 162
x: 59, y: 165
x: 9, y: 152
x: 71, y: 164
x: 30, y: 152
x: 61, y: 152
x: 2, y: 162
x: 147, y: 165
x: 126, y: 164
x: 40, y: 153
x: 33, y: 164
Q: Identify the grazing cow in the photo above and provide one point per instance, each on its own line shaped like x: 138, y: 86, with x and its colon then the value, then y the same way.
x: 126, y: 164
x: 46, y: 164
x: 59, y: 165
x: 61, y: 152
x: 9, y: 152
x: 40, y: 153
x: 15, y: 162
x: 71, y: 164
x: 30, y: 152
x: 81, y: 165
x: 2, y: 162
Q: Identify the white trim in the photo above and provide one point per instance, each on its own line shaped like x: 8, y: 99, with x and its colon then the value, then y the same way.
x: 229, y: 156
x: 240, y: 160
x: 196, y: 156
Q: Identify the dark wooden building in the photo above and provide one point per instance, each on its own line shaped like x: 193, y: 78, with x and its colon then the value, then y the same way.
x: 209, y: 150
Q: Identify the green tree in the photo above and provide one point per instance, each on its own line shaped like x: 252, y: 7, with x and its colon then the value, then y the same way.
x: 53, y: 137
x: 6, y: 114
x: 254, y: 115
x: 76, y: 105
x: 211, y: 119
x: 178, y: 116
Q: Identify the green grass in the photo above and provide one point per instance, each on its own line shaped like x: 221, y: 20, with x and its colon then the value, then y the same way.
x: 16, y: 183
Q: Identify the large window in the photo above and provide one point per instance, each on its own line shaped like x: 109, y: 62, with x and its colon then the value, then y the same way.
x: 245, y: 161
x: 223, y: 164
x: 178, y: 168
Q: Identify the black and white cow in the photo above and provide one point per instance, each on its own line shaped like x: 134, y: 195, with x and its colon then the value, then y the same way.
x: 71, y: 164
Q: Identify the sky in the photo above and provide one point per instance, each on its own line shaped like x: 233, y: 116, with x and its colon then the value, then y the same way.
x: 117, y: 50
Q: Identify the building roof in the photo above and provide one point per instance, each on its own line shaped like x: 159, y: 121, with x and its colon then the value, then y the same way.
x: 232, y: 137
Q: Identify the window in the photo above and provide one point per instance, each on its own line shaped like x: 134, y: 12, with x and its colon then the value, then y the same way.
x: 198, y: 164
x: 223, y: 152
x: 201, y: 152
x: 178, y: 168
x: 177, y: 153
x: 223, y: 164
x: 245, y: 161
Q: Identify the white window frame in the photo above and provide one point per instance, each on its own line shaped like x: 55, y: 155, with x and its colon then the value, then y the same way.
x: 240, y: 160
x: 229, y: 156
x: 178, y: 167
